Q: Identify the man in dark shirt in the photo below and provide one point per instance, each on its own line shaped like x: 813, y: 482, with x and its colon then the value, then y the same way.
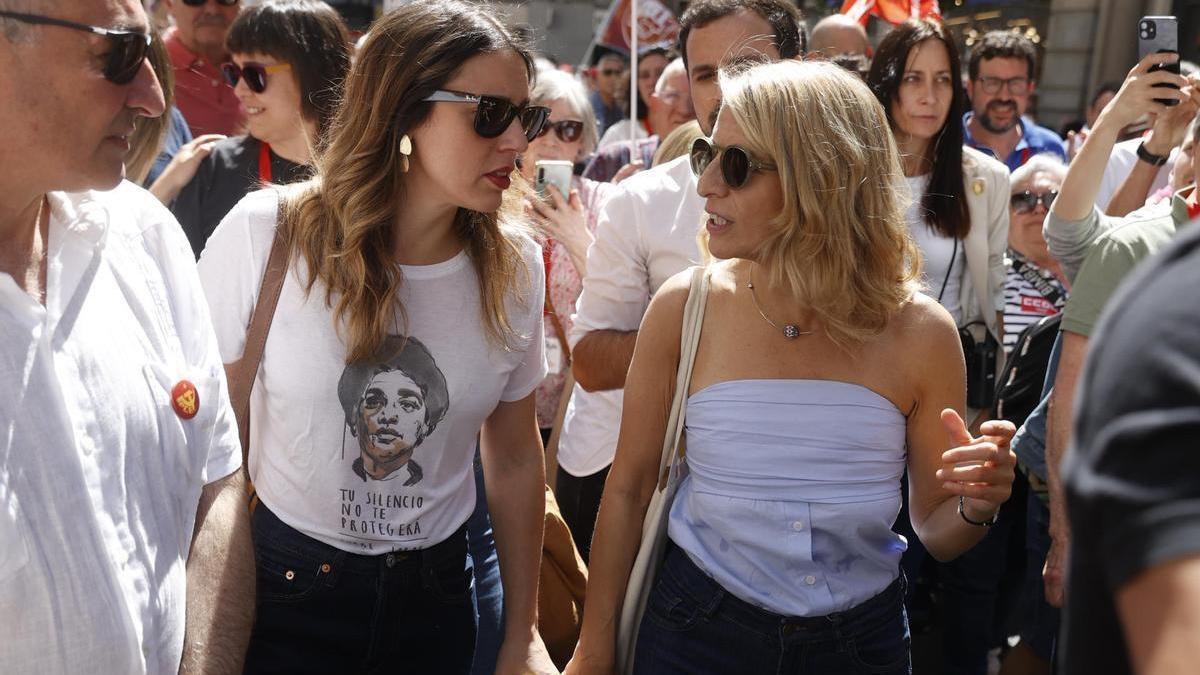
x: 1132, y: 479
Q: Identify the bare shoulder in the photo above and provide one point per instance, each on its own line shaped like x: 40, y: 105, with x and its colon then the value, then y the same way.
x: 924, y: 327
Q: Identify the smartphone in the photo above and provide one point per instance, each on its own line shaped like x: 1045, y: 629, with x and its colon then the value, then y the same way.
x: 554, y: 172
x: 1159, y: 34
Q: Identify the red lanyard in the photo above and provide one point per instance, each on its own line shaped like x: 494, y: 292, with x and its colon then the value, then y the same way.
x: 264, y: 163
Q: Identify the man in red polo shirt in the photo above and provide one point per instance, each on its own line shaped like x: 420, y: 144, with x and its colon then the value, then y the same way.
x: 196, y: 44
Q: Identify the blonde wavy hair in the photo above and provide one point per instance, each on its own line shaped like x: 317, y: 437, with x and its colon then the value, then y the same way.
x: 340, y: 222
x: 840, y: 244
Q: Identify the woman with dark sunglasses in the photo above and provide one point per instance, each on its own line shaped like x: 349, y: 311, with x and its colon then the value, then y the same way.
x: 820, y: 375
x: 407, y: 237
x: 289, y: 58
x: 1035, y: 285
x: 565, y: 222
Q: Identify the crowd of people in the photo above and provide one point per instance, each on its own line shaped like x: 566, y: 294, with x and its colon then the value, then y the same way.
x: 824, y: 345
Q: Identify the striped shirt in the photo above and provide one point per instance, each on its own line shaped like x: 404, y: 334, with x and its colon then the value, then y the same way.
x: 1024, y: 304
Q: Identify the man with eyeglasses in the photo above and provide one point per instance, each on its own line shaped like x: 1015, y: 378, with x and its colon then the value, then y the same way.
x: 1001, y: 70
x: 196, y: 44
x: 605, y: 98
x: 124, y: 535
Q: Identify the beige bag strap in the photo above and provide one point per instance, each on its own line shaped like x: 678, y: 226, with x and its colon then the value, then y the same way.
x: 242, y: 373
x: 556, y: 433
x: 689, y: 339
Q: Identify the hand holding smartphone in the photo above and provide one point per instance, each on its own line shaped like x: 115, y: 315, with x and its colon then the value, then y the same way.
x: 553, y: 172
x: 1159, y: 34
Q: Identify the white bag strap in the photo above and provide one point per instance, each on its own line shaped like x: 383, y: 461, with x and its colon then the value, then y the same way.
x: 693, y: 319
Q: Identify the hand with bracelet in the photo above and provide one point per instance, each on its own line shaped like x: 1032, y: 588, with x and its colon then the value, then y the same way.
x: 979, y: 470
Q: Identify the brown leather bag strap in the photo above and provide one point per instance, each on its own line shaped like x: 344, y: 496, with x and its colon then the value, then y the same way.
x: 241, y: 373
x: 558, y: 330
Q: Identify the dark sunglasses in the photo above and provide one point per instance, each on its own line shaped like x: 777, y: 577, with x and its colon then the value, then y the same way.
x: 1025, y: 202
x: 127, y: 49
x: 255, y: 74
x: 494, y: 114
x: 568, y: 131
x: 736, y: 163
x: 199, y: 3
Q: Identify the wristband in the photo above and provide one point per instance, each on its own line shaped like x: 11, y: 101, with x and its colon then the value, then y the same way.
x: 1149, y: 157
x: 987, y: 523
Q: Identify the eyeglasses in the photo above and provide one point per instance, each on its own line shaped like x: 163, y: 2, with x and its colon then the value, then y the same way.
x: 736, y: 163
x: 200, y: 3
x: 568, y: 131
x: 127, y: 48
x: 1026, y: 202
x: 255, y: 74
x: 494, y: 114
x: 1017, y: 86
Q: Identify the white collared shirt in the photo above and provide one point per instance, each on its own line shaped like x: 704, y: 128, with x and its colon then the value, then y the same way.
x: 99, y: 477
x: 646, y: 234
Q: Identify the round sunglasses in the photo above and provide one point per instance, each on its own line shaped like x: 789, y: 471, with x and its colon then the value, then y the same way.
x: 255, y: 74
x: 1026, y: 202
x: 568, y: 131
x: 494, y: 114
x: 127, y: 49
x: 736, y: 163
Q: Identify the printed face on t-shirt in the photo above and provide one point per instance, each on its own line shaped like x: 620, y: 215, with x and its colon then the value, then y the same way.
x: 391, y: 422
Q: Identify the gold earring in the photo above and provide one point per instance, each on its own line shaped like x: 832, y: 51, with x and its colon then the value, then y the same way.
x: 405, y: 151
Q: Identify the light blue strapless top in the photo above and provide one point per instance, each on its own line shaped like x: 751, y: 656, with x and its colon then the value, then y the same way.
x: 792, y: 490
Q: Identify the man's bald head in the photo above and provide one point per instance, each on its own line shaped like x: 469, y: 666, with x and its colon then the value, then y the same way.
x: 839, y: 35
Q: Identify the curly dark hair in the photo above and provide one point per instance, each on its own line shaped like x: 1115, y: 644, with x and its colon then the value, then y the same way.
x: 1002, y: 44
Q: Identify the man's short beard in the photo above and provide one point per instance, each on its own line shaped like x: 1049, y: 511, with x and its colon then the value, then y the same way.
x: 986, y: 122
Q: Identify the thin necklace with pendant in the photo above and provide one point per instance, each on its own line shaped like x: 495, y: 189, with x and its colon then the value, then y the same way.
x: 790, y: 331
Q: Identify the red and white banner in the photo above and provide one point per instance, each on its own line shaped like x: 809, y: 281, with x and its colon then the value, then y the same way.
x: 892, y: 11
x: 656, y: 23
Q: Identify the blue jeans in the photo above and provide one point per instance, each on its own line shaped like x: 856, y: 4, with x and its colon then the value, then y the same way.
x: 324, y: 610
x: 1039, y: 626
x: 692, y: 625
x: 489, y: 594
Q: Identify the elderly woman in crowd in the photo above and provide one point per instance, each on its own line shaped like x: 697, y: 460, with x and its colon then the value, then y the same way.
x: 821, y: 374
x: 289, y: 60
x: 1035, y: 286
x: 565, y: 221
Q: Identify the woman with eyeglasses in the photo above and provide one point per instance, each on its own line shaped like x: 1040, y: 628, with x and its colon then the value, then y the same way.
x: 820, y: 375
x: 1035, y: 285
x: 289, y: 58
x: 566, y: 222
x: 408, y: 326
x: 958, y: 215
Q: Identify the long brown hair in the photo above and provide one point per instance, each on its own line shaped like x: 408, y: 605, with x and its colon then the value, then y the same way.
x: 945, y: 200
x: 340, y: 222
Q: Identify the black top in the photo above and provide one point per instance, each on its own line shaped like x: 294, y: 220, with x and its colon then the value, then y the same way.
x: 1133, y: 476
x: 229, y: 173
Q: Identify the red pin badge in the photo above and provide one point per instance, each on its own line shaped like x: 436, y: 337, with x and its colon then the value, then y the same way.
x: 185, y: 399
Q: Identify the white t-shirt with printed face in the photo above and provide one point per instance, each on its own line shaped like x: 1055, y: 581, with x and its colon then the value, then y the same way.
x: 376, y: 455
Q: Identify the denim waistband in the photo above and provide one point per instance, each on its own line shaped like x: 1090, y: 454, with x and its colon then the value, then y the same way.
x: 269, y: 530
x: 704, y: 588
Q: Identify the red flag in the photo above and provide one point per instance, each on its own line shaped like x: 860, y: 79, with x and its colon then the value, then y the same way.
x: 657, y: 26
x: 892, y: 11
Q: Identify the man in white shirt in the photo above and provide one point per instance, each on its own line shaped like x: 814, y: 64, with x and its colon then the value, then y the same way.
x: 646, y: 233
x: 124, y: 536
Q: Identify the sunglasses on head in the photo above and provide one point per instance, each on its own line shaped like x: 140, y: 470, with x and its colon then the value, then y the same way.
x: 494, y: 114
x: 736, y: 163
x: 127, y: 49
x: 568, y: 131
x: 255, y: 74
x: 1026, y: 202
x: 198, y: 3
